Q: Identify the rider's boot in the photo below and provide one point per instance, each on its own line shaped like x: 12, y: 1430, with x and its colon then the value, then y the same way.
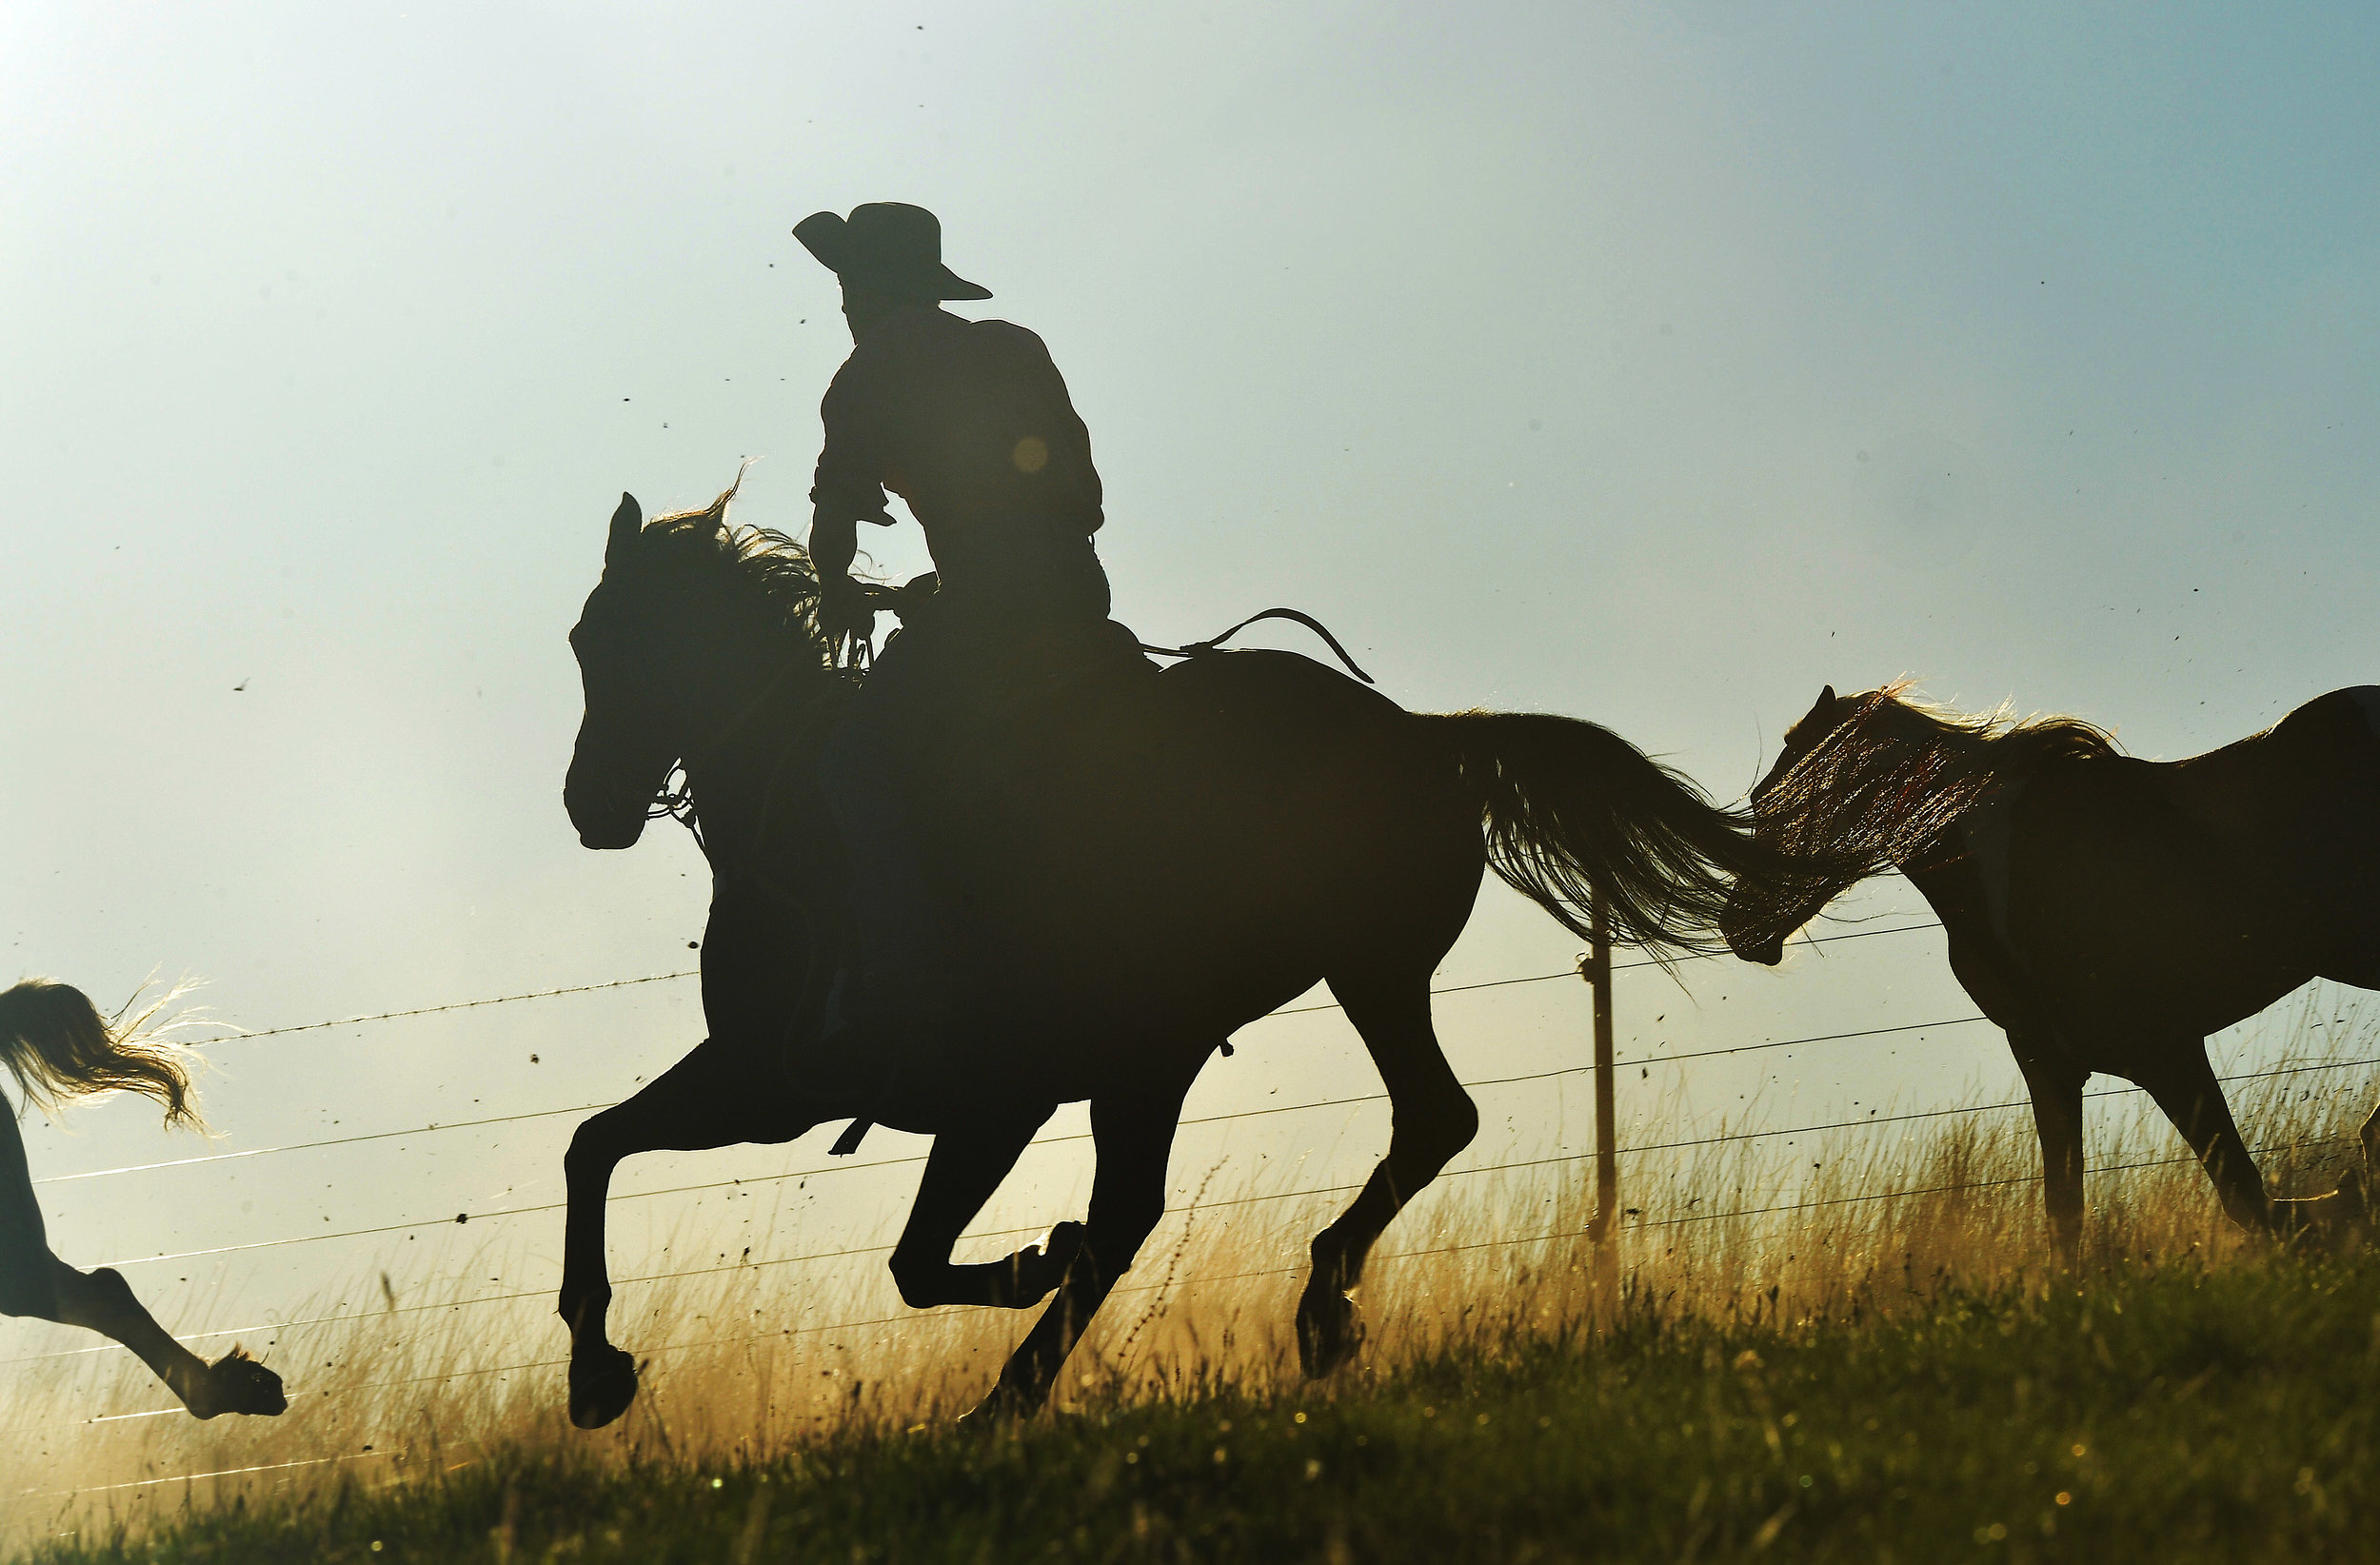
x: 886, y: 1041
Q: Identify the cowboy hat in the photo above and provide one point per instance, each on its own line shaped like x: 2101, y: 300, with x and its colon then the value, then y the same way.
x: 887, y: 245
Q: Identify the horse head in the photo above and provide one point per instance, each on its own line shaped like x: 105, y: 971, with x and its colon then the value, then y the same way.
x: 624, y: 749
x: 1754, y: 924
x: 689, y: 625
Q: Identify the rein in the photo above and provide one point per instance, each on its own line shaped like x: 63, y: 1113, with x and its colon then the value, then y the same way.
x: 1215, y: 643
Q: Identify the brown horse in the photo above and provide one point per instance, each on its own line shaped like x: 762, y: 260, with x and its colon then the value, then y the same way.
x: 1154, y: 864
x: 2107, y: 913
x: 58, y: 1047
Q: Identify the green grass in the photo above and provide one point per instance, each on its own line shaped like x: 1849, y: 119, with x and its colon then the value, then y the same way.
x: 2220, y: 1412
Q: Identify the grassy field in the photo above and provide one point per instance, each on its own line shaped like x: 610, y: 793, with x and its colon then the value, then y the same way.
x: 1831, y: 1371
x: 2173, y: 1411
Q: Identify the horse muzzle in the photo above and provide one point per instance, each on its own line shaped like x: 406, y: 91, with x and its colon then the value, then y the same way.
x: 604, y: 820
x: 1768, y: 953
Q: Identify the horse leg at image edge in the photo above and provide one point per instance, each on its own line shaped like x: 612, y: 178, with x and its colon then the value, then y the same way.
x: 962, y: 1171
x: 1433, y: 1119
x: 720, y: 1094
x: 1133, y: 1139
x: 2192, y: 1098
x: 101, y: 1301
x: 2056, y: 1091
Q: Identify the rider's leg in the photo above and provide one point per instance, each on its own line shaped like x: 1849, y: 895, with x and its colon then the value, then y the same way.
x: 869, y: 775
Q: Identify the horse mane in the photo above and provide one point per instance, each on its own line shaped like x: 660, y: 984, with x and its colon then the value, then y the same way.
x: 772, y: 566
x: 1885, y: 783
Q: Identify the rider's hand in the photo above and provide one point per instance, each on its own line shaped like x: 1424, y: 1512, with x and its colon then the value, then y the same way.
x: 843, y: 611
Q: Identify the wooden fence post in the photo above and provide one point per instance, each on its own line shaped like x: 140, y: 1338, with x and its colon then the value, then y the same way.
x: 1595, y: 967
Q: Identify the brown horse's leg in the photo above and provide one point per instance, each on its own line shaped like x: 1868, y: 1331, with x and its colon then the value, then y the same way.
x: 2057, y: 1116
x: 965, y: 1166
x: 1133, y: 1137
x: 2192, y: 1098
x: 1433, y: 1119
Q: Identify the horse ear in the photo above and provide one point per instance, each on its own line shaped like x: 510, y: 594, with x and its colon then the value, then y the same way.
x: 625, y: 524
x: 1826, y: 703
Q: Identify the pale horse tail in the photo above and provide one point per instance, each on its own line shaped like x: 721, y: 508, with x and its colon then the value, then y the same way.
x: 59, y: 1048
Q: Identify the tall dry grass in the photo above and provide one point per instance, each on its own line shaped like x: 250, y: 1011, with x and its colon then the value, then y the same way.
x: 1786, y: 1233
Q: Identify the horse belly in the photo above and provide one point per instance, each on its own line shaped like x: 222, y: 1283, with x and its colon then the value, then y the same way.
x: 1200, y: 870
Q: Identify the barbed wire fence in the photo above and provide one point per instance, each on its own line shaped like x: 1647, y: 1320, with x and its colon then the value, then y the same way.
x: 1605, y: 1149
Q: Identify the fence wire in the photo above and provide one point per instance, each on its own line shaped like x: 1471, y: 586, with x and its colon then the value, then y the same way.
x: 1315, y: 1193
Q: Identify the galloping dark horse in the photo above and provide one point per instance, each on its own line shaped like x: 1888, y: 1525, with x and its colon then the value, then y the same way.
x: 2107, y: 913
x: 1156, y: 865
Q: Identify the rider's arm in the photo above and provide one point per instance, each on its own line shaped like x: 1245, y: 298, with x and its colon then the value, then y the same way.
x: 834, y: 543
x: 850, y: 486
x: 1090, y: 495
x: 1074, y: 482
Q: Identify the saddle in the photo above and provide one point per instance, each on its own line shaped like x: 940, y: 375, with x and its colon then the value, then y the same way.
x: 994, y: 723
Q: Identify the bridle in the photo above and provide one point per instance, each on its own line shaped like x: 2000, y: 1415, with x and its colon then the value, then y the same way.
x: 675, y: 798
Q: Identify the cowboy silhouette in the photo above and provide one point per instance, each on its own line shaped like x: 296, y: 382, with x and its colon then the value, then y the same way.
x: 969, y: 422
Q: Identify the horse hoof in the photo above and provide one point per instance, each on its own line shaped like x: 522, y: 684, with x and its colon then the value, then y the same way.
x: 236, y: 1384
x: 602, y: 1386
x: 1063, y: 1243
x: 1042, y: 1268
x: 1330, y: 1331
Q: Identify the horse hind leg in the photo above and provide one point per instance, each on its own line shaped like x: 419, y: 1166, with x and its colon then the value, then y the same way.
x: 1434, y: 1118
x: 1132, y: 1138
x: 963, y: 1172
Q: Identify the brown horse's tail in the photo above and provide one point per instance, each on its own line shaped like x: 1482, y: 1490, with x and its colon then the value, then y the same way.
x: 1573, y: 811
x: 58, y: 1046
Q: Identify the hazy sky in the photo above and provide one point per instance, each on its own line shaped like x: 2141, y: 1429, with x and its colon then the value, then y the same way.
x: 1654, y: 362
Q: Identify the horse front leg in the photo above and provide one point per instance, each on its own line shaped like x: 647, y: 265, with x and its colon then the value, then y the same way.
x: 720, y: 1094
x: 2057, y: 1116
x: 1133, y: 1138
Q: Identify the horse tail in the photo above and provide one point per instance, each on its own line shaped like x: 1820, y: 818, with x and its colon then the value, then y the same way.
x: 58, y: 1046
x: 1574, y: 813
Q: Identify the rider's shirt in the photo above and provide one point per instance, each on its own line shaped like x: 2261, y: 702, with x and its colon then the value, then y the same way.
x: 969, y: 422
